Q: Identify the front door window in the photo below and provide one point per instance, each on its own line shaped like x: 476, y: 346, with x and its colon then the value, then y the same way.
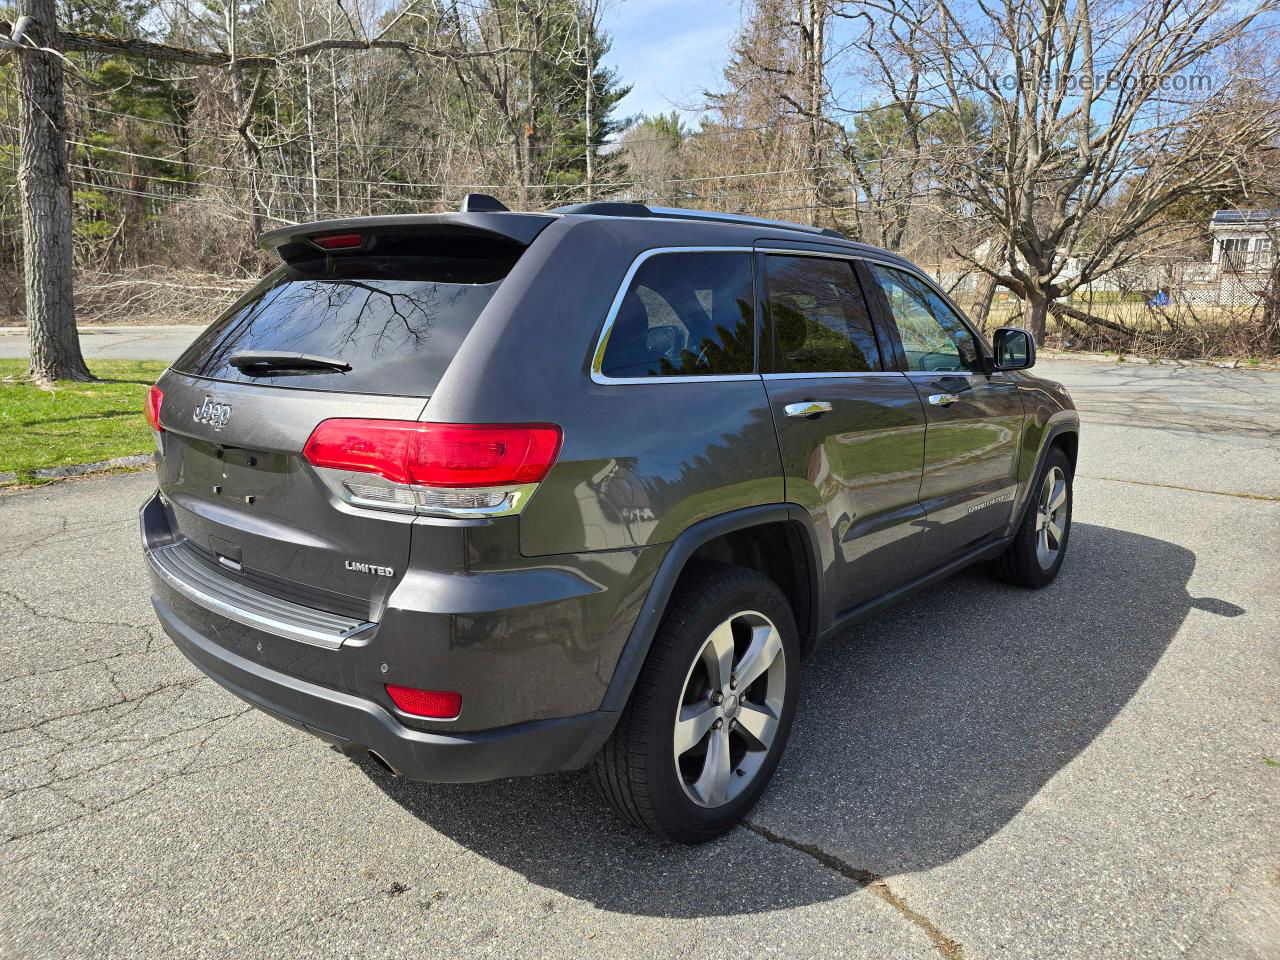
x: 934, y: 338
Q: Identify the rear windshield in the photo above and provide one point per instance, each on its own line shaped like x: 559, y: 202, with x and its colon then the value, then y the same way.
x: 395, y: 314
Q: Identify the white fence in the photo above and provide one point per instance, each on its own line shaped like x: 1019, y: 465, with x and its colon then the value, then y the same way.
x: 1195, y: 283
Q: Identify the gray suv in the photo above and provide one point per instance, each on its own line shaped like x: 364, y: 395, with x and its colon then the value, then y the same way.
x: 491, y: 494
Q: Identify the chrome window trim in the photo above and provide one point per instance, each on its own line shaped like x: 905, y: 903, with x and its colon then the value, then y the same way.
x: 709, y: 378
x: 832, y: 373
x: 829, y: 254
x: 597, y: 357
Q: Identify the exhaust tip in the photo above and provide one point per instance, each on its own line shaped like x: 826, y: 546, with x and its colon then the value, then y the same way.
x: 382, y: 762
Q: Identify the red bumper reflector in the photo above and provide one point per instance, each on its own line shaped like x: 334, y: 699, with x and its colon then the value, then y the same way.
x: 152, y: 408
x: 435, y: 704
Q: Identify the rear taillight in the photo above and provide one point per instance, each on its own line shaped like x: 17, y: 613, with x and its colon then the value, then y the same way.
x: 152, y: 408
x: 448, y: 468
x: 436, y: 454
x: 435, y: 704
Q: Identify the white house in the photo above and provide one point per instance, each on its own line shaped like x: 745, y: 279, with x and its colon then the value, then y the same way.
x: 1245, y: 244
x: 1243, y: 239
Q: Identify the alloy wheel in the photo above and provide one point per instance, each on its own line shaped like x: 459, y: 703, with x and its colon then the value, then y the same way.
x: 730, y: 709
x: 1051, y: 518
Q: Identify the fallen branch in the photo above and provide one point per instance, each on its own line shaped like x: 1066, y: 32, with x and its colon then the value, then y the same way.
x: 1060, y: 310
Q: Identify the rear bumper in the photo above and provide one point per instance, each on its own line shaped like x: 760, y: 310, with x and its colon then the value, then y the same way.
x: 355, y: 725
x: 529, y: 643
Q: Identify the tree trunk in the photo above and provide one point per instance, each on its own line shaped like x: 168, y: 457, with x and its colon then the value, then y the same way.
x: 591, y: 15
x: 44, y: 184
x: 1271, y: 304
x: 243, y: 102
x: 1037, y: 318
x: 813, y: 18
x: 591, y: 88
x: 982, y: 297
x: 313, y: 162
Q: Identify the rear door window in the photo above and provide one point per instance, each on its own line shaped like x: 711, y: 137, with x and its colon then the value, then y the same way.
x: 396, y: 315
x: 820, y: 319
x: 683, y: 315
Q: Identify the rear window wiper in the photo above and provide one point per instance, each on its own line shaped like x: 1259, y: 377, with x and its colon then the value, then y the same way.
x: 266, y: 361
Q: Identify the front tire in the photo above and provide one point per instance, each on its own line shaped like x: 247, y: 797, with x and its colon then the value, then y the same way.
x: 711, y: 710
x: 1035, y: 556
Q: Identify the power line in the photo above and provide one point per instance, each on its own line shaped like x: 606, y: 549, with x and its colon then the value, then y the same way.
x: 304, y: 177
x: 394, y: 201
x: 175, y: 199
x: 623, y: 140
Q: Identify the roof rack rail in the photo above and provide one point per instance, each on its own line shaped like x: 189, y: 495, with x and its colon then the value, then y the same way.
x: 606, y: 208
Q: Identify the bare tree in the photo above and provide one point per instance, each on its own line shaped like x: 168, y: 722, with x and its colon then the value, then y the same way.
x: 887, y: 146
x: 1101, y: 115
x: 44, y: 176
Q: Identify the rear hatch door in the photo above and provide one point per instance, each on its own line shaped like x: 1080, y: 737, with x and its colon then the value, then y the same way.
x: 377, y: 324
x: 247, y: 502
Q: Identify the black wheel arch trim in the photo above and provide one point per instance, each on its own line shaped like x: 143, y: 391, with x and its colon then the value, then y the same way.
x: 1052, y: 433
x: 682, y: 548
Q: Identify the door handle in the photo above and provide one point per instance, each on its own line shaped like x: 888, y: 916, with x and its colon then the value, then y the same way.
x: 943, y: 399
x: 810, y: 408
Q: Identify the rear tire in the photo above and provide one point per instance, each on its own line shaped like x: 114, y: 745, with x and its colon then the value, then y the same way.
x: 1035, y: 556
x: 694, y: 748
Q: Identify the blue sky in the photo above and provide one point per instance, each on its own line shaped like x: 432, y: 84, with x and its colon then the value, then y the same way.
x: 669, y: 50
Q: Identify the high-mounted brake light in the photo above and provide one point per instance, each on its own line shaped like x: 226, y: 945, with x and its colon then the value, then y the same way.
x: 339, y: 241
x: 449, y: 468
x: 151, y: 410
x: 435, y: 704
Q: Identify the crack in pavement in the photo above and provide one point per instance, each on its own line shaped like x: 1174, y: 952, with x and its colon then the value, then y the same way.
x: 390, y: 893
x: 36, y: 612
x: 83, y: 530
x: 186, y: 769
x: 1266, y: 498
x: 140, y: 751
x: 135, y: 634
x: 134, y: 702
x: 873, y: 883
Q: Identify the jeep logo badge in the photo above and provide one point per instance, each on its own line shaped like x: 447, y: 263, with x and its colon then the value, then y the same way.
x: 213, y: 413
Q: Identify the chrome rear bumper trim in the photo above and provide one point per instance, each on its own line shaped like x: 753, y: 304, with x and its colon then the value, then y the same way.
x: 174, y: 565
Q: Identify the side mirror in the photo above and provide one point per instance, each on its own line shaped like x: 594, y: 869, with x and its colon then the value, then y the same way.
x: 1015, y: 349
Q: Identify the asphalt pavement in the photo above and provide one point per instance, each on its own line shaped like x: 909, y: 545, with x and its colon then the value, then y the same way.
x: 1092, y: 770
x: 137, y: 342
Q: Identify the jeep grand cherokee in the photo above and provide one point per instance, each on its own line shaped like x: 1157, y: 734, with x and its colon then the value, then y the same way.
x: 490, y: 494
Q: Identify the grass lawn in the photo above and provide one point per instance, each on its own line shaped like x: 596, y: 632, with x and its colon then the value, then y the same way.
x: 73, y: 422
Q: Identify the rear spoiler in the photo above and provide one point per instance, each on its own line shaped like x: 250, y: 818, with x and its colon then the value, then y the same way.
x: 521, y: 228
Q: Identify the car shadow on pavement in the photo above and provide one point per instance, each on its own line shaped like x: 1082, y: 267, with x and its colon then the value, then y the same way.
x: 918, y: 736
